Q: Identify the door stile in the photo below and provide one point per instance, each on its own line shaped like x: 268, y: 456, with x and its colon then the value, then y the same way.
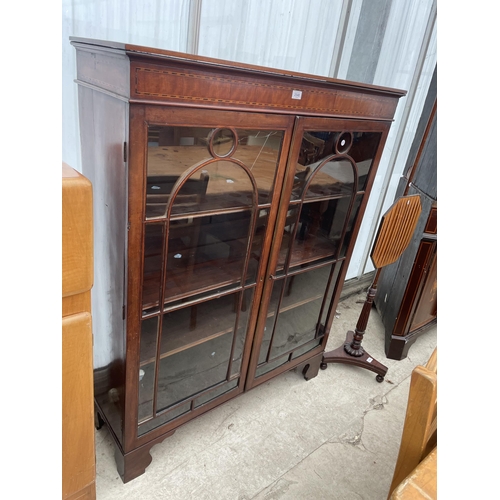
x: 274, y: 246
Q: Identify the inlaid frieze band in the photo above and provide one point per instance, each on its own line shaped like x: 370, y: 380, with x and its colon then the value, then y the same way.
x: 207, y: 89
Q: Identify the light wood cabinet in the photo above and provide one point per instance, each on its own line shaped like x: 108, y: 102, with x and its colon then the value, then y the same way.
x: 78, y: 453
x: 228, y: 201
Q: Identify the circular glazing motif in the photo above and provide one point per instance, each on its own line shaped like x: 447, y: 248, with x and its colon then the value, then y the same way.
x: 344, y: 143
x: 222, y: 142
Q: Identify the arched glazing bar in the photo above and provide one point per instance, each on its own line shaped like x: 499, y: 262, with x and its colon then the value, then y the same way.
x: 346, y: 166
x: 204, y: 212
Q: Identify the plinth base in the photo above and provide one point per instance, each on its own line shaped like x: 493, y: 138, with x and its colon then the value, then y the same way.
x: 340, y: 355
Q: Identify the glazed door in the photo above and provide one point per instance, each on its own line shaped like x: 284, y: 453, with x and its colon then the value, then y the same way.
x: 329, y: 175
x: 205, y: 187
x: 241, y: 228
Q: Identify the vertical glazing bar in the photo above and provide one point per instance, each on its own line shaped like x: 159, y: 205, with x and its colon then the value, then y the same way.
x: 325, y: 296
x: 351, y: 204
x: 235, y: 333
x: 276, y: 314
x: 160, y: 319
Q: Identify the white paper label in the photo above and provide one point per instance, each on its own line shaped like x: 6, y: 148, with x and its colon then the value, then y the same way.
x: 296, y: 94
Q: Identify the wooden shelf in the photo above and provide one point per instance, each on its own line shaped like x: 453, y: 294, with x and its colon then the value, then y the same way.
x: 188, y: 373
x: 309, y: 251
x: 228, y: 186
x: 189, y: 327
x: 209, y: 276
x: 188, y: 340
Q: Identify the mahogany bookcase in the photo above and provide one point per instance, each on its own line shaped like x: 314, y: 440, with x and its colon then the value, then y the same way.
x: 228, y: 198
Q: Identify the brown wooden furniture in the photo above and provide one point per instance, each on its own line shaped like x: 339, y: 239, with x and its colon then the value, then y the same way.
x: 421, y: 483
x: 395, y: 231
x: 407, y: 296
x: 228, y: 200
x: 78, y: 455
x: 419, y: 436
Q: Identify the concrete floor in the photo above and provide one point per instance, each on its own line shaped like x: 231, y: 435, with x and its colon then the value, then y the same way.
x: 336, y: 436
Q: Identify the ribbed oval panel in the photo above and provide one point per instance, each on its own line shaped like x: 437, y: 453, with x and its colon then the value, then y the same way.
x: 396, y: 230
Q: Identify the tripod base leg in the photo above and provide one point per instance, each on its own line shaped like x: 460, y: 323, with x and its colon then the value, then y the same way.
x: 339, y: 355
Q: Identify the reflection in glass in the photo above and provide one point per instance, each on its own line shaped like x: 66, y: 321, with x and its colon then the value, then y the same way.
x: 304, y: 287
x: 215, y: 393
x: 257, y: 242
x: 329, y: 295
x: 295, y: 327
x: 318, y: 145
x: 299, y: 310
x: 267, y: 367
x: 149, y: 331
x: 319, y: 230
x: 194, y: 324
x: 191, y: 195
x: 174, y: 150
x: 222, y: 142
x: 222, y: 184
x: 193, y: 370
x: 350, y: 225
x: 334, y: 178
x: 344, y: 143
x: 363, y: 152
x: 239, y: 343
x: 308, y: 346
x: 291, y: 219
x: 206, y: 252
x: 153, y: 252
x: 163, y: 418
x: 271, y: 317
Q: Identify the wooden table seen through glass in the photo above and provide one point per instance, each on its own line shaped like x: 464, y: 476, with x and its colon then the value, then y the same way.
x: 208, y: 196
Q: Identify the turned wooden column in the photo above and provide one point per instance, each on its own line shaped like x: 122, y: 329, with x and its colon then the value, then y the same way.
x: 355, y: 348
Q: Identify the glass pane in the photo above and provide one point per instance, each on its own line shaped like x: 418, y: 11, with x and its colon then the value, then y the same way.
x: 164, y: 418
x: 190, y: 371
x: 149, y: 331
x: 334, y: 178
x: 195, y: 324
x: 215, y: 393
x: 363, y: 150
x: 306, y: 348
x: 305, y: 287
x: 319, y: 231
x: 331, y: 290
x: 219, y: 185
x: 291, y: 220
x: 299, y: 309
x: 295, y: 327
x: 257, y: 241
x: 206, y: 253
x: 158, y: 189
x: 350, y: 225
x: 260, y: 150
x: 267, y: 367
x: 217, y: 292
x: 271, y: 316
x: 241, y: 333
x: 153, y: 251
x: 173, y: 150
